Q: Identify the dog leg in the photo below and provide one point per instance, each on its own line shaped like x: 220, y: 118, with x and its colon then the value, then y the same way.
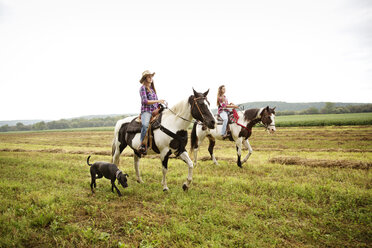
x: 93, y: 179
x: 93, y: 182
x: 114, y: 186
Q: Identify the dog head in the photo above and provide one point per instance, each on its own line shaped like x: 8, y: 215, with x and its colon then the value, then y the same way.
x: 122, y: 178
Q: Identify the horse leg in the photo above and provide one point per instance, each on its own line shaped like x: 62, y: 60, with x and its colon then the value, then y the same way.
x: 212, y: 142
x: 185, y: 157
x: 136, y: 168
x: 164, y: 156
x: 246, y: 144
x: 117, y: 149
x: 238, y: 143
x: 195, y: 149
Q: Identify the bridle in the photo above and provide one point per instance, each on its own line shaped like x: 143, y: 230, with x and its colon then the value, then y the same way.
x: 193, y: 104
x: 267, y: 125
x: 197, y: 105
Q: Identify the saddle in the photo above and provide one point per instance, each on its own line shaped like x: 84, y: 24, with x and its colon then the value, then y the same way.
x: 230, y: 121
x: 135, y: 127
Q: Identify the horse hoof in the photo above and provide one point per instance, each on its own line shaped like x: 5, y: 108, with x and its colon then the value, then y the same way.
x: 140, y: 181
x: 185, y: 187
x: 166, y: 189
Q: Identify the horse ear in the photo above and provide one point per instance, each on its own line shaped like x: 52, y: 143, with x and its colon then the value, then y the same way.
x: 195, y: 93
x: 268, y: 109
x: 206, y: 93
x: 274, y: 108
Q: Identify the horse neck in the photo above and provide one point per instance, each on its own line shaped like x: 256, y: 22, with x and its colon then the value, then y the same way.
x: 255, y: 119
x: 241, y: 119
x: 252, y: 123
x: 173, y: 116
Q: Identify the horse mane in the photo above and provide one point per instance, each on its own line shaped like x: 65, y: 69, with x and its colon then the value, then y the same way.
x: 251, y: 114
x: 179, y: 107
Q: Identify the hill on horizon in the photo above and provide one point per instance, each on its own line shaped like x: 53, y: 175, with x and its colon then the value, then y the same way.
x: 297, y: 106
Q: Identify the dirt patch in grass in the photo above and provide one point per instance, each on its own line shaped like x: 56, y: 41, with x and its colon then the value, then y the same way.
x: 58, y: 151
x: 322, y: 162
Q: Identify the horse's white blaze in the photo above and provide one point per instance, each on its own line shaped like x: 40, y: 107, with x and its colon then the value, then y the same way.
x: 272, y: 128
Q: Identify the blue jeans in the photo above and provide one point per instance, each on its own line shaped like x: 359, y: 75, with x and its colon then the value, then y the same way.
x: 145, y: 119
x: 225, y: 119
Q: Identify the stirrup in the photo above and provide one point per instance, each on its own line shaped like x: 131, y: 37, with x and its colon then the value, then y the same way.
x: 142, y: 149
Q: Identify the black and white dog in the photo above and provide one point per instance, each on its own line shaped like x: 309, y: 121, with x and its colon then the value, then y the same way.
x: 108, y: 170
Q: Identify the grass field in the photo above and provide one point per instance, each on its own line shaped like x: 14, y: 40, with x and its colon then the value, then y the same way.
x: 324, y: 120
x: 302, y: 187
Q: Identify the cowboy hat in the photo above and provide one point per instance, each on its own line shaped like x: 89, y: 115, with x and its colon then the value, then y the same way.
x: 146, y: 73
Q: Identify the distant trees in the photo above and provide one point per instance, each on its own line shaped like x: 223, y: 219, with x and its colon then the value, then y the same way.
x: 330, y: 108
x: 63, y: 124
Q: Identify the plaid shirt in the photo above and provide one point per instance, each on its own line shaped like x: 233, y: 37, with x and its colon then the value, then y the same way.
x: 147, y: 96
x: 222, y: 102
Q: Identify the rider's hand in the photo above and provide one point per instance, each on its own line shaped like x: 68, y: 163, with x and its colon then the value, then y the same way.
x: 162, y: 101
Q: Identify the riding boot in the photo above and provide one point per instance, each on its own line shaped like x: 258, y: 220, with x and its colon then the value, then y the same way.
x: 142, y: 149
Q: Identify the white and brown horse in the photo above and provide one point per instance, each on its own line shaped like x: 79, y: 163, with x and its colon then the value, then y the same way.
x: 170, y: 138
x: 240, y: 132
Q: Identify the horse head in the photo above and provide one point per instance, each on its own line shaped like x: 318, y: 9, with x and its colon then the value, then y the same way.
x: 268, y: 119
x: 200, y: 109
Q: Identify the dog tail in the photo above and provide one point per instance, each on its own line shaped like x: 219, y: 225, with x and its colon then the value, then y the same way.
x: 88, y: 161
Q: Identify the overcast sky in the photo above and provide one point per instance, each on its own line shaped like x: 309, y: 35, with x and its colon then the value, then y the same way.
x: 68, y: 58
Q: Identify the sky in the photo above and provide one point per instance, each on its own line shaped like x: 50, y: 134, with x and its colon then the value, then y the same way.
x: 70, y: 58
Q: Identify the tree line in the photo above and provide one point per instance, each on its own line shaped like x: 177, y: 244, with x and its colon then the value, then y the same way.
x: 330, y: 108
x: 63, y: 124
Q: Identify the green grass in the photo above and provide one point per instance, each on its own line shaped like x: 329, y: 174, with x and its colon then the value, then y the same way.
x: 324, y: 120
x: 46, y: 200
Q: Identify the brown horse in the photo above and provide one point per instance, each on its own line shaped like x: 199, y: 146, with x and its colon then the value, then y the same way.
x: 240, y: 132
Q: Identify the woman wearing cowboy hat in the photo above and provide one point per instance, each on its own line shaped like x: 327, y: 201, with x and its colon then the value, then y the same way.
x: 149, y: 102
x: 223, y: 106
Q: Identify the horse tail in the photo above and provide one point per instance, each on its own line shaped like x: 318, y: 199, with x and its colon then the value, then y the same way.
x: 88, y: 161
x: 194, y: 138
x: 113, y: 148
x: 115, y: 140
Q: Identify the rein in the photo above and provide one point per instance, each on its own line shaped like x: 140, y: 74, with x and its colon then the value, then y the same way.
x: 179, y: 138
x: 236, y: 118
